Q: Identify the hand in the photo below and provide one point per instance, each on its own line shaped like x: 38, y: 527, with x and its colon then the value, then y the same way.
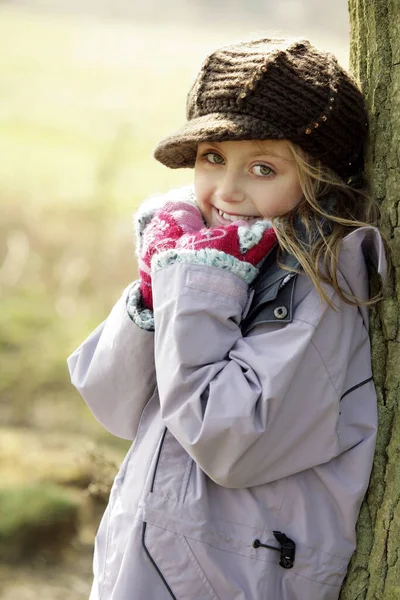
x: 244, y: 242
x: 170, y: 223
x: 179, y: 235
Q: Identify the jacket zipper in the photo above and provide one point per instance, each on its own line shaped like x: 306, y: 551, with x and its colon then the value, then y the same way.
x: 157, y: 460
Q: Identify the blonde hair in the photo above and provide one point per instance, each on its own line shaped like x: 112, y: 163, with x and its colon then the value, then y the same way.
x: 313, y: 231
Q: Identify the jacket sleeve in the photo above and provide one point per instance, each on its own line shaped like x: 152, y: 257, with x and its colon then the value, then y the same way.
x: 114, y: 371
x: 247, y: 409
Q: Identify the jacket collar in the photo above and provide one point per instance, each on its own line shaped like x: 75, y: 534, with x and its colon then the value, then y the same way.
x: 273, y: 292
x: 360, y: 246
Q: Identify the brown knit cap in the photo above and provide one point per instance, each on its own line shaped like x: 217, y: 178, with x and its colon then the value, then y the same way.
x: 273, y: 89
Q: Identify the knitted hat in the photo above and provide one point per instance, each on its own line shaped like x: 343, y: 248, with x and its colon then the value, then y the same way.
x: 274, y: 89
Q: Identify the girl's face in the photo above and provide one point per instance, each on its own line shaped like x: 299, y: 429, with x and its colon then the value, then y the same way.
x: 245, y: 179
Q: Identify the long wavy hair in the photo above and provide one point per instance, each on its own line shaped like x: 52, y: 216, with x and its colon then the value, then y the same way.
x: 313, y: 231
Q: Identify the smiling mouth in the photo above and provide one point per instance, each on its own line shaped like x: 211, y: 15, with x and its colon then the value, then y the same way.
x: 229, y: 217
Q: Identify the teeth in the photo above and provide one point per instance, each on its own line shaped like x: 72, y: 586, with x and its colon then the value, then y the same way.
x: 233, y: 217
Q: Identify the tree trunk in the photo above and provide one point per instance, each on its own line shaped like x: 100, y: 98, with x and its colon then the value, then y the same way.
x: 374, y: 572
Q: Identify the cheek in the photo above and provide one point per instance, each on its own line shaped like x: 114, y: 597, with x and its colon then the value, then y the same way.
x: 280, y: 200
x: 290, y: 195
x: 202, y: 188
x: 202, y: 198
x: 296, y: 194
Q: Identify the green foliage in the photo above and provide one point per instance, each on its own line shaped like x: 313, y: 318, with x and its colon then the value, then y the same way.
x: 35, y: 519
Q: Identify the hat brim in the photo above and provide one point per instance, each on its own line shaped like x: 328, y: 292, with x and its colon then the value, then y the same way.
x: 179, y: 150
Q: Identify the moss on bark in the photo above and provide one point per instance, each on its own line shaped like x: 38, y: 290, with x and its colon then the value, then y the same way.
x: 374, y: 573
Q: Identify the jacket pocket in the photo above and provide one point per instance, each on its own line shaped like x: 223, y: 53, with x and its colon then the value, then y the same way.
x: 176, y: 564
x: 190, y: 568
x: 232, y: 575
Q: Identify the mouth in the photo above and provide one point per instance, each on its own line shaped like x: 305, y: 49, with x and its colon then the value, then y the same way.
x: 224, y: 217
x: 229, y: 217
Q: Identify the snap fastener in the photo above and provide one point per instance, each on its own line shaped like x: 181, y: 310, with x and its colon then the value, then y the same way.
x: 280, y: 312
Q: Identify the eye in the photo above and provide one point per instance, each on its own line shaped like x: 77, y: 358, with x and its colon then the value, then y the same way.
x: 262, y: 170
x: 214, y: 158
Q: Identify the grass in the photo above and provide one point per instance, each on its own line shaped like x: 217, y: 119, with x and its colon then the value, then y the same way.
x: 35, y: 519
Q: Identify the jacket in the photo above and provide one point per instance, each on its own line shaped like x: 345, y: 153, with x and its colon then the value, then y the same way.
x: 250, y: 412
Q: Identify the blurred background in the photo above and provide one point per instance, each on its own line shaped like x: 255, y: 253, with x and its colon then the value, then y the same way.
x: 87, y: 88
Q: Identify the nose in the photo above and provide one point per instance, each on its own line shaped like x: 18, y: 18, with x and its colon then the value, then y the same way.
x: 229, y: 189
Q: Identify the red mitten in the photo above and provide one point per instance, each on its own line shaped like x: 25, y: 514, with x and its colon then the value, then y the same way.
x: 246, y: 243
x: 239, y: 247
x: 168, y: 225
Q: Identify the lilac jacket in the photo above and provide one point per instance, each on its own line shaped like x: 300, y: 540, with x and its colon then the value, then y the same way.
x: 233, y: 437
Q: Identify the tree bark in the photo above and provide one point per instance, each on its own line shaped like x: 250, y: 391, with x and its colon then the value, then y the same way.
x: 374, y: 572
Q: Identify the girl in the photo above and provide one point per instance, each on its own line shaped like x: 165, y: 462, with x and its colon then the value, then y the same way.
x: 239, y: 362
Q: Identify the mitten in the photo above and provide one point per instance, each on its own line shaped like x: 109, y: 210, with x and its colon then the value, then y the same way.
x: 140, y: 309
x: 168, y: 225
x: 239, y: 247
x: 244, y: 243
